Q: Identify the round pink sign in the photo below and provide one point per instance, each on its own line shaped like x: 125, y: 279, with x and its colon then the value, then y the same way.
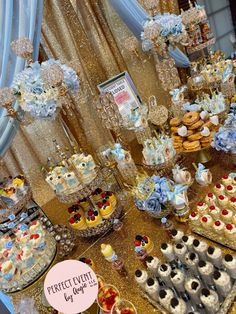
x: 71, y: 287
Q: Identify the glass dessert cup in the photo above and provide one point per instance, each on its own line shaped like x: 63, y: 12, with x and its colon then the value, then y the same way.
x: 108, y: 295
x: 123, y: 306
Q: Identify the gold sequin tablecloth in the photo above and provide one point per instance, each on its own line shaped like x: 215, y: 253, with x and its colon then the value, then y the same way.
x: 135, y: 222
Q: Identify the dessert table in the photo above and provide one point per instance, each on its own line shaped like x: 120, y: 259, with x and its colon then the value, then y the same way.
x: 135, y: 222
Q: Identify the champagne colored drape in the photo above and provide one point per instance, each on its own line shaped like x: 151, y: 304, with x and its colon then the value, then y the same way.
x: 91, y: 33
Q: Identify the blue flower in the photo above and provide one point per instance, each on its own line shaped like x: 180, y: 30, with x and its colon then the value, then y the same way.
x: 23, y: 216
x: 23, y: 227
x: 152, y: 204
x: 12, y: 217
x: 11, y: 225
x: 9, y: 245
x: 139, y: 204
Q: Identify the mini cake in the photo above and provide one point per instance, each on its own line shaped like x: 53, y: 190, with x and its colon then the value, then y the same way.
x: 144, y: 242
x: 71, y: 180
x: 206, y: 270
x: 188, y: 241
x: 201, y: 207
x: 152, y: 264
x: 200, y: 248
x: 77, y: 221
x: 193, y: 287
x: 191, y: 260
x: 75, y: 209
x: 218, y: 226
x: 164, y: 271
x: 37, y: 241
x: 210, y: 199
x: 97, y: 195
x: 222, y: 282
x: 229, y: 261
x: 214, y: 254
x: 194, y: 216
x: 234, y: 180
x: 152, y: 288
x: 232, y: 203
x: 25, y: 257
x: 226, y: 215
x: 206, y: 221
x: 108, y: 252
x: 88, y: 261
x: 214, y: 211
x: 177, y: 306
x: 219, y: 189
x: 167, y: 251
x: 141, y: 276
x: 106, y: 209
x: 230, y: 232
x: 180, y: 251
x: 93, y: 218
x: 177, y: 278
x: 177, y: 235
x: 110, y: 197
x: 165, y: 296
x: 7, y: 270
x: 226, y: 180
x: 35, y: 227
x: 84, y: 204
x: 231, y: 190
x: 223, y: 200
x: 210, y: 300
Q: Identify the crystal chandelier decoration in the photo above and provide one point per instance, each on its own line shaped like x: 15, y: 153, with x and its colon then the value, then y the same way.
x: 158, y: 34
x: 41, y: 90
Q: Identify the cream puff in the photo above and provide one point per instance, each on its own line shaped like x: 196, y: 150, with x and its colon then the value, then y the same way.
x: 214, y: 211
x: 231, y: 190
x: 210, y: 198
x: 194, y: 216
x: 201, y: 207
x: 232, y: 203
x: 226, y: 180
x: 230, y: 232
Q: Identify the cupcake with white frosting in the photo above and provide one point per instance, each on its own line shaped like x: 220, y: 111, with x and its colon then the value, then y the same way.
x: 210, y: 198
x: 210, y: 300
x: 191, y: 260
x: 206, y: 270
x: 168, y: 251
x: 178, y: 306
x: 223, y: 282
x: 230, y: 232
x: 164, y: 271
x: 223, y: 200
x: 180, y: 250
x: 152, y: 264
x: 202, y: 207
x: 214, y: 211
x: 177, y: 235
x: 226, y: 215
x: 219, y: 189
x: 229, y: 261
x: 152, y: 288
x: 226, y: 180
x: 206, y: 221
x: 141, y: 276
x: 219, y: 226
x: 200, y: 247
x: 231, y: 190
x: 232, y: 203
x: 165, y: 295
x: 214, y: 255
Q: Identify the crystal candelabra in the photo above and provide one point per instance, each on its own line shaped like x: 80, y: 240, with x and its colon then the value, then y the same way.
x: 111, y: 117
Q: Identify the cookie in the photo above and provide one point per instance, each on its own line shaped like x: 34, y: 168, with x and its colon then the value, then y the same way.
x: 191, y: 145
x: 175, y: 122
x: 196, y: 125
x: 190, y: 118
x: 195, y: 137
